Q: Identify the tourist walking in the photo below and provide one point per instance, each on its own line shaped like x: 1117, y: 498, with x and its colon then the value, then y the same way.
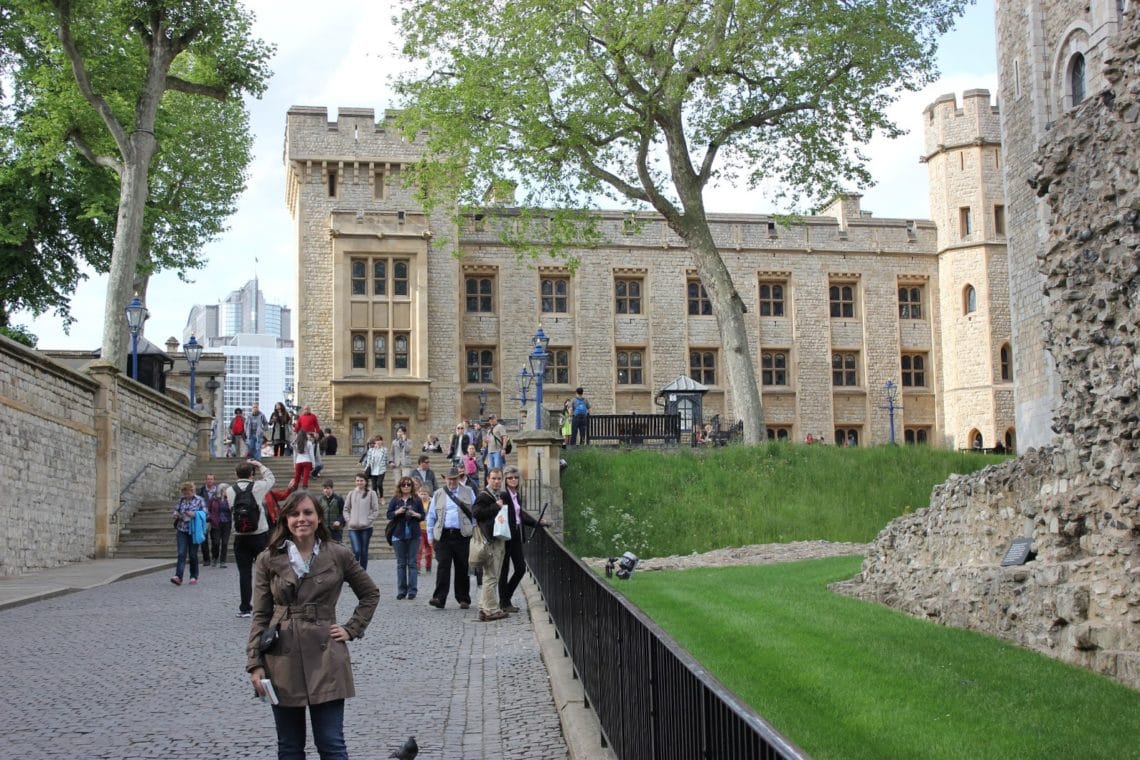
x: 518, y: 517
x: 237, y: 435
x: 487, y: 506
x: 250, y: 524
x: 189, y: 503
x: 206, y: 491
x: 218, y: 517
x: 423, y: 559
x: 458, y: 446
x: 401, y: 457
x: 280, y: 425
x: 304, y: 452
x: 566, y: 423
x: 497, y: 442
x: 256, y: 427
x: 308, y: 663
x: 361, y: 506
x: 407, y: 510
x: 449, y: 525
x: 375, y: 461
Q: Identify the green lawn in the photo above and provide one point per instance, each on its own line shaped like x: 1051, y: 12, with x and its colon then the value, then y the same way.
x: 847, y: 679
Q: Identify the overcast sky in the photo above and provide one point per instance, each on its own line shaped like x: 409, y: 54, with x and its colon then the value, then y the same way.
x: 342, y: 57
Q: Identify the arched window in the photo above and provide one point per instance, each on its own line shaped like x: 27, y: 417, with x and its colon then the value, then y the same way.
x: 969, y: 300
x: 1004, y: 362
x: 1011, y: 441
x: 976, y: 440
x: 1077, y: 79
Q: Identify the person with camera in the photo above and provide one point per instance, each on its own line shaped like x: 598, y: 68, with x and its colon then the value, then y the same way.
x: 304, y: 655
x: 406, y: 509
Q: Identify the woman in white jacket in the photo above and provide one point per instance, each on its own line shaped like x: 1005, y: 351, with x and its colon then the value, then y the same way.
x: 375, y: 461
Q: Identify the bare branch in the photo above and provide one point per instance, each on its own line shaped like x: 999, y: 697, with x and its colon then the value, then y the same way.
x: 81, y: 145
x: 63, y: 13
x: 194, y: 88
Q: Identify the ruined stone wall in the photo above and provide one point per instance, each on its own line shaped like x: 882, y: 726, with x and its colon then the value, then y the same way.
x: 1079, y: 598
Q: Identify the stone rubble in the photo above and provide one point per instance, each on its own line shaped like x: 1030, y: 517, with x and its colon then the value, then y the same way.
x: 1078, y: 599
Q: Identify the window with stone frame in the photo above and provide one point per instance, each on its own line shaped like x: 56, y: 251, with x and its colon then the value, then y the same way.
x: 401, y: 349
x: 480, y: 291
x: 969, y: 300
x: 916, y: 435
x: 910, y: 302
x: 914, y: 370
x: 702, y: 365
x: 845, y: 369
x: 698, y: 298
x: 627, y: 294
x: 773, y: 368
x: 480, y: 365
x: 841, y: 298
x: 630, y: 365
x: 999, y: 219
x: 557, y: 370
x: 772, y: 294
x: 555, y: 294
x: 358, y: 276
x: 778, y: 432
x: 965, y: 222
x: 400, y: 277
x: 1005, y: 363
x: 847, y: 437
x: 359, y: 342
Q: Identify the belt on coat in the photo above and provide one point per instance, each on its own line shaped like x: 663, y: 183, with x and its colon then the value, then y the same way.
x: 306, y: 612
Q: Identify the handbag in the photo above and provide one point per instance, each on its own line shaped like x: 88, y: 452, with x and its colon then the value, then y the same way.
x: 480, y: 549
x: 268, y: 637
x: 503, y: 524
x: 389, y: 531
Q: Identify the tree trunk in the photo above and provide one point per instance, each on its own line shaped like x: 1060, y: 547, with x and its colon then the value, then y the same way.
x: 133, y: 191
x: 739, y: 364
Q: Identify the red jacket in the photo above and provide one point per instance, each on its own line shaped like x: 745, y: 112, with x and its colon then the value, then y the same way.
x: 308, y: 423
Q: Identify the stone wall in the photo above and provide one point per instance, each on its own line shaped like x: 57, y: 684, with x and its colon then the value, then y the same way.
x: 1079, y: 598
x: 81, y: 450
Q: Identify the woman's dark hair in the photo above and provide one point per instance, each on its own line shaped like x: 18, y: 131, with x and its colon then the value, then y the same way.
x: 281, y: 532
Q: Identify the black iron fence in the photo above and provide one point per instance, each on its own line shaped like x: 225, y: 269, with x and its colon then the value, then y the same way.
x: 634, y: 429
x: 653, y: 700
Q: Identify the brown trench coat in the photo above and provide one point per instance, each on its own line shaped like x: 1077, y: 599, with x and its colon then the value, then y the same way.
x: 305, y: 665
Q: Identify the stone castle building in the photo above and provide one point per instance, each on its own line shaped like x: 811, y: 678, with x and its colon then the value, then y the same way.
x: 405, y: 319
x: 1050, y: 57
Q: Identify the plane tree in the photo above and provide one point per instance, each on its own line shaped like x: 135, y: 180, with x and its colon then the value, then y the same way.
x: 649, y: 103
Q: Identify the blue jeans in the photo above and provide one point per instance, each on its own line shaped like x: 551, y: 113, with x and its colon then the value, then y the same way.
x: 254, y: 445
x: 407, y: 576
x: 186, y: 547
x: 497, y: 460
x: 360, y: 538
x: 328, y: 731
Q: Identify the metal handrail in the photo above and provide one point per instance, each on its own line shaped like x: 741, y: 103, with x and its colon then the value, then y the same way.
x: 652, y: 699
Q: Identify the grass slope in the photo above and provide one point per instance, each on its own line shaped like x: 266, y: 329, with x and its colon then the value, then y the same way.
x: 677, y: 502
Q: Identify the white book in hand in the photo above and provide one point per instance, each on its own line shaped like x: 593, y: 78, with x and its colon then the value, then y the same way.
x: 270, y: 693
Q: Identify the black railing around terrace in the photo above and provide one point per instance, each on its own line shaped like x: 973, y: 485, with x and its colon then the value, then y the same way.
x: 653, y: 700
x: 634, y: 429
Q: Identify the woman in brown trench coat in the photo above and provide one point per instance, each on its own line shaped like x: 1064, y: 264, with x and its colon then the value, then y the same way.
x: 298, y: 580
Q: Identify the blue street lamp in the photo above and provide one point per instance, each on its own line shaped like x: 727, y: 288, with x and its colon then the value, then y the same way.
x: 136, y: 315
x: 537, y: 361
x: 892, y: 394
x: 193, y: 350
x: 522, y: 380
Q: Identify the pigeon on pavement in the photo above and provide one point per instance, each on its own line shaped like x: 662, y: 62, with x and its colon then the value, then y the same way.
x: 408, y: 751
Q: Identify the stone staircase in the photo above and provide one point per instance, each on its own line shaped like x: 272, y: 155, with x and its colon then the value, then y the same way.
x: 149, y: 533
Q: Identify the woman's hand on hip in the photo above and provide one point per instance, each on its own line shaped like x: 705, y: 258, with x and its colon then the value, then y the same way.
x: 337, y: 633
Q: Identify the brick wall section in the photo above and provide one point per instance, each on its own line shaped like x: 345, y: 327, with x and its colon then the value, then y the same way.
x: 47, y: 447
x: 158, y: 438
x: 842, y: 242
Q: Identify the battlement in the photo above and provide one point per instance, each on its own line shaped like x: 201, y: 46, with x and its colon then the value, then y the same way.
x: 353, y: 135
x: 948, y: 126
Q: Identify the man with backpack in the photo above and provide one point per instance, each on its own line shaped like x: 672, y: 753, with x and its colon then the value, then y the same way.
x: 579, y: 421
x: 250, y: 524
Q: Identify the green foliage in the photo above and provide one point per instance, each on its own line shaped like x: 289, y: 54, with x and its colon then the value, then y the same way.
x: 65, y: 214
x: 20, y: 334
x: 847, y: 679
x: 679, y: 502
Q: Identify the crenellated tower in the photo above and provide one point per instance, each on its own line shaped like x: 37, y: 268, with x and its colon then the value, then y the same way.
x: 967, y: 204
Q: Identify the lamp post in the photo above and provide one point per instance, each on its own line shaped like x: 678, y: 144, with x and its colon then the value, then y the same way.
x: 482, y: 401
x: 136, y: 315
x: 522, y: 380
x: 193, y: 351
x: 537, y: 361
x: 891, y: 391
x: 289, y: 396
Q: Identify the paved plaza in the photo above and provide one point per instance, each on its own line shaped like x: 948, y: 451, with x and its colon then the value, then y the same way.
x: 141, y: 668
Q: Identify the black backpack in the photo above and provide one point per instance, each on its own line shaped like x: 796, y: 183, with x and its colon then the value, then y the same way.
x: 246, y: 512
